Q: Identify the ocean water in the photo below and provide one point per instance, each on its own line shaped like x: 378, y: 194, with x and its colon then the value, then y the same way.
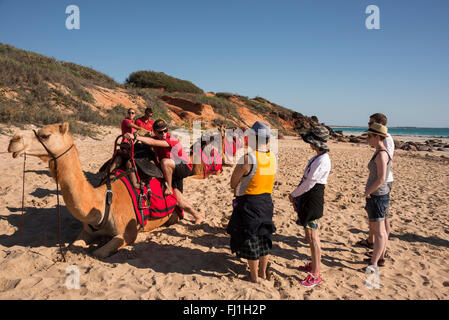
x: 421, y: 132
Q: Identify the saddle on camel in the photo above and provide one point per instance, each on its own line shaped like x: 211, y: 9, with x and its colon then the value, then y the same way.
x: 134, y: 165
x: 111, y: 209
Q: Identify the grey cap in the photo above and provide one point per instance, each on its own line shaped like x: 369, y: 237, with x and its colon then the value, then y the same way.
x: 317, y: 136
x: 261, y: 129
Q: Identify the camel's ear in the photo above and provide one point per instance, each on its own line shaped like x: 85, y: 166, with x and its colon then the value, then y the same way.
x: 63, y: 128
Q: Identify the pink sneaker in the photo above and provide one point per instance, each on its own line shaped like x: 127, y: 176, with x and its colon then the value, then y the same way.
x: 306, y: 268
x: 311, y: 280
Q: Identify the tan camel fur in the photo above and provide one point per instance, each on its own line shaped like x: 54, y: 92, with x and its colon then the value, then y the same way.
x: 85, y: 203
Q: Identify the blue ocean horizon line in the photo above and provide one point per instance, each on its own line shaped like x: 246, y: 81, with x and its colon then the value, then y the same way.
x: 366, y: 127
x: 401, y: 131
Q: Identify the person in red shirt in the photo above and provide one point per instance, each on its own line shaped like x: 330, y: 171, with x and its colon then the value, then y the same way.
x: 173, y: 160
x: 145, y: 122
x: 128, y: 124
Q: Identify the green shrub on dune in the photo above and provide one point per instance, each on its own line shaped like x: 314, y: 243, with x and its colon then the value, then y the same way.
x: 151, y: 79
x: 25, y: 67
x: 224, y: 95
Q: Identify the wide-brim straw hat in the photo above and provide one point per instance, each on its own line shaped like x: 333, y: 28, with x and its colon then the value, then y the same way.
x: 379, y: 129
x: 317, y: 136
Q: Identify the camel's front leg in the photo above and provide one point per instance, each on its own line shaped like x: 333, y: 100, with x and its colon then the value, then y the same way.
x: 83, y: 239
x: 112, y: 246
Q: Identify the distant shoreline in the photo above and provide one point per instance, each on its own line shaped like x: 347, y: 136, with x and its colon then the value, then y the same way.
x: 410, y: 133
x: 402, y: 137
x: 366, y: 127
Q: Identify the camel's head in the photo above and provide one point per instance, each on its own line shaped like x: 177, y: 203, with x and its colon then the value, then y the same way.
x: 56, y: 138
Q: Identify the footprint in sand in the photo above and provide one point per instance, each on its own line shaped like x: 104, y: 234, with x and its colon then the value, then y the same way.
x: 426, y: 280
x: 8, y: 284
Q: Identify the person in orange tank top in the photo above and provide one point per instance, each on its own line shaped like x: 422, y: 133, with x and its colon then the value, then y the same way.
x: 251, y: 223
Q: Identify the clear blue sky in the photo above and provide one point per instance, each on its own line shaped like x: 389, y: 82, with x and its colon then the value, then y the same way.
x: 315, y: 56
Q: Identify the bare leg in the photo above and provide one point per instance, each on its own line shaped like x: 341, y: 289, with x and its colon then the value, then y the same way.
x: 263, y: 262
x: 387, y: 230
x: 371, y: 234
x: 380, y: 242
x: 184, y: 205
x: 387, y: 227
x: 314, y: 242
x: 168, y: 166
x: 253, y: 270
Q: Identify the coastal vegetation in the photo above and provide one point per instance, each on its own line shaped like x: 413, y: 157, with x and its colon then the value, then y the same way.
x: 40, y: 90
x: 152, y: 79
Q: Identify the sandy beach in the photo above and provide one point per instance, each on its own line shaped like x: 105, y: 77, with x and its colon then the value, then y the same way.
x: 187, y: 261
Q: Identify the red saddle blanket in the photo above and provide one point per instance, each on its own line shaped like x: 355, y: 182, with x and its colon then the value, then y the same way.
x: 151, y: 203
x: 212, y: 163
x: 211, y: 159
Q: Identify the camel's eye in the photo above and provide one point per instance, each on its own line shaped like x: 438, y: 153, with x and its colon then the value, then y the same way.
x: 44, y: 136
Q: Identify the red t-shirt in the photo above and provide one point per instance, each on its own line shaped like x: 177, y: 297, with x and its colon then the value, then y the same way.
x: 175, y: 151
x: 126, y: 128
x: 147, y: 125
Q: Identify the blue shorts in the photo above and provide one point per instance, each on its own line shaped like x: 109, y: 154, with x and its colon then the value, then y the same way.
x: 377, y: 206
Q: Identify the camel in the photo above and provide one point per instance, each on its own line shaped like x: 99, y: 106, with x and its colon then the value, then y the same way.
x: 228, y: 153
x: 86, y: 203
x: 205, y: 145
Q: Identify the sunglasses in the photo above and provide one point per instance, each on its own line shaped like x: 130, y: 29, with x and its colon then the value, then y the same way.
x: 131, y: 113
x: 162, y: 131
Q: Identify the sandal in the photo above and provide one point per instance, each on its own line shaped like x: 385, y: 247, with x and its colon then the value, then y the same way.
x: 366, y: 243
x: 380, y: 262
x: 370, y: 254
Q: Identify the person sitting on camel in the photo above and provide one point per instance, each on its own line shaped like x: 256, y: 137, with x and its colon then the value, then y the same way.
x: 129, y: 126
x: 173, y: 161
x: 145, y: 122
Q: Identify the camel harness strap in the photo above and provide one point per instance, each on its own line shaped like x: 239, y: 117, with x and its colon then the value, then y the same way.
x: 57, y: 186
